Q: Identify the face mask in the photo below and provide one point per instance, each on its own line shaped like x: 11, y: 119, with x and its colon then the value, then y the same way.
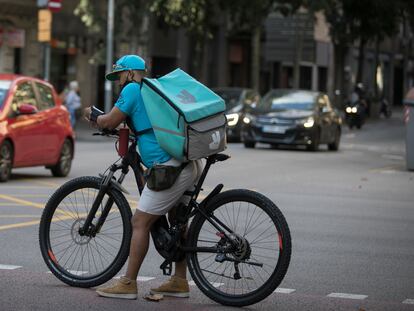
x: 127, y: 82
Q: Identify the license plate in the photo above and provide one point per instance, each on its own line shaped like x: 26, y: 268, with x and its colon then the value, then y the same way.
x: 277, y: 129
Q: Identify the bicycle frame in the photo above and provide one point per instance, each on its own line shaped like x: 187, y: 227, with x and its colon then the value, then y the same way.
x: 133, y: 160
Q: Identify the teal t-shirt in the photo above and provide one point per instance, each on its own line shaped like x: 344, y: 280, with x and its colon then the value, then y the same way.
x: 130, y: 103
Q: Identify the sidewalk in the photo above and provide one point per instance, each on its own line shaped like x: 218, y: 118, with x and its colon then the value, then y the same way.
x: 83, y: 132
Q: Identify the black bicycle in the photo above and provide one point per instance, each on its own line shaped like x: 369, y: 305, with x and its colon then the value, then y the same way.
x: 238, y: 243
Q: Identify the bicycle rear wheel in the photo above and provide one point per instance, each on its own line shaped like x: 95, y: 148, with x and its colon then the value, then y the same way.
x: 84, y: 261
x: 262, y: 235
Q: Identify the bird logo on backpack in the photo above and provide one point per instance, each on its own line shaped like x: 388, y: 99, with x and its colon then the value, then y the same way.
x: 216, y: 141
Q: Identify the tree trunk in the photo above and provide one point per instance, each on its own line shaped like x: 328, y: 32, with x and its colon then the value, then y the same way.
x: 255, y: 74
x: 361, y: 61
x: 204, y: 74
x: 298, y: 54
x: 197, y: 57
x: 339, y: 63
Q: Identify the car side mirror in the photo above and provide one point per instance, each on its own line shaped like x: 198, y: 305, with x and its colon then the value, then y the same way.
x: 26, y: 109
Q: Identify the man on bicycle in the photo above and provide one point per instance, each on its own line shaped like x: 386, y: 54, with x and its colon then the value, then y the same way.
x: 129, y: 70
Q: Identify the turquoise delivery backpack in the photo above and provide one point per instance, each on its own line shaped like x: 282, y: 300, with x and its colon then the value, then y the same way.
x: 187, y: 117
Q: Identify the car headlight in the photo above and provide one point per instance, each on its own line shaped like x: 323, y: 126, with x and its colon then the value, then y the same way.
x: 248, y: 118
x: 232, y: 119
x: 354, y: 109
x: 308, y: 122
x: 348, y: 109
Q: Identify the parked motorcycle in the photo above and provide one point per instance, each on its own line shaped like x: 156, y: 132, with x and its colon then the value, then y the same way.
x: 355, y: 114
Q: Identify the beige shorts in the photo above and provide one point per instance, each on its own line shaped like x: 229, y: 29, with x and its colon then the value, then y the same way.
x: 160, y: 202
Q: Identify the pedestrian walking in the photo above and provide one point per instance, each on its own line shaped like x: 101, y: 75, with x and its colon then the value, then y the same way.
x: 73, y: 101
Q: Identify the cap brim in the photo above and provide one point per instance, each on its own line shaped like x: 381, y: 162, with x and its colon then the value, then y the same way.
x: 113, y: 76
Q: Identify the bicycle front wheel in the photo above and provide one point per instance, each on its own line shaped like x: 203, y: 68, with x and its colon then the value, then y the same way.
x: 84, y: 261
x: 260, y: 248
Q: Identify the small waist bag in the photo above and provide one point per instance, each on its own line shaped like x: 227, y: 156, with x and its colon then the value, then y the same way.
x: 162, y: 177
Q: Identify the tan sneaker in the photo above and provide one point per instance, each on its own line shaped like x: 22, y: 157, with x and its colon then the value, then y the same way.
x: 124, y: 288
x: 175, y: 287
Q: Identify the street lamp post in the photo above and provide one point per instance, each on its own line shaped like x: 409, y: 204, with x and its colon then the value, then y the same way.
x: 109, y: 54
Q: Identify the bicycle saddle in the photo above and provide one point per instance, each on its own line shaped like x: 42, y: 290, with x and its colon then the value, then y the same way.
x: 219, y: 157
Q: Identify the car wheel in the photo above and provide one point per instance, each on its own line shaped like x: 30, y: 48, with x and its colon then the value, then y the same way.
x: 334, y: 146
x: 62, y: 168
x: 249, y: 144
x: 314, y: 146
x: 6, y: 161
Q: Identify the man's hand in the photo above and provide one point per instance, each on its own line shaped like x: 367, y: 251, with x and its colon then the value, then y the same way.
x: 87, y: 113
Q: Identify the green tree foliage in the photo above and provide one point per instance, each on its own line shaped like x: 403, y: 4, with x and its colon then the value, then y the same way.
x: 249, y: 16
x: 356, y: 21
x: 128, y: 20
x: 197, y: 17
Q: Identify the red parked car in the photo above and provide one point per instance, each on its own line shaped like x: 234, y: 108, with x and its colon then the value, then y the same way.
x: 34, y: 127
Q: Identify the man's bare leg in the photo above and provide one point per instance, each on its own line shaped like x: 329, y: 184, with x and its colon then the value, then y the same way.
x: 141, y: 226
x: 181, y: 266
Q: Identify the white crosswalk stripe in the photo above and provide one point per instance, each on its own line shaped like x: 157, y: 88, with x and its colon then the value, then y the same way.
x: 284, y: 290
x: 9, y: 267
x: 191, y: 283
x: 347, y: 296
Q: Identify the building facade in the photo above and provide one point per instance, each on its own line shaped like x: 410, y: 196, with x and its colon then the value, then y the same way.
x: 296, y: 51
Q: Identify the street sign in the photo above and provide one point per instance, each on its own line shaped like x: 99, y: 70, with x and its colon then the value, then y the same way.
x: 54, y: 5
x: 44, y: 25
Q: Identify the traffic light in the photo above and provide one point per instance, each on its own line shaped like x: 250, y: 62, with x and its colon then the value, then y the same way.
x: 44, y: 25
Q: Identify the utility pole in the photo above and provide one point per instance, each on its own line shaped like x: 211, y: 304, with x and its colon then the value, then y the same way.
x: 44, y: 36
x: 109, y: 54
x: 46, y: 65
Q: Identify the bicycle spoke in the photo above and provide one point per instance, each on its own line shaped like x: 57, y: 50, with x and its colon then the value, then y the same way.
x: 251, y: 222
x: 92, y: 256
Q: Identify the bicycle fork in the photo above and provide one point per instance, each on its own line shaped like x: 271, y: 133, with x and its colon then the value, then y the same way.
x: 88, y: 227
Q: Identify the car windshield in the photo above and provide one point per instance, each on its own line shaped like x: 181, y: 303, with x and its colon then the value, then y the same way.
x: 4, y: 87
x: 278, y: 100
x: 231, y: 97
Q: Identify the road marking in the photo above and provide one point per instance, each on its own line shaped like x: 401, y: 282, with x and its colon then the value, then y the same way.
x: 347, y: 296
x: 409, y: 301
x: 139, y: 279
x: 23, y: 202
x: 393, y: 157
x: 192, y: 283
x: 19, y: 216
x: 9, y: 267
x: 384, y: 169
x: 10, y: 204
x: 31, y: 195
x: 74, y: 272
x: 284, y: 290
x: 43, y: 183
x: 20, y: 225
x: 28, y: 203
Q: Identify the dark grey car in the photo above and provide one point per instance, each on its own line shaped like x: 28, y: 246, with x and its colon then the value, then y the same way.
x: 237, y: 101
x: 293, y: 117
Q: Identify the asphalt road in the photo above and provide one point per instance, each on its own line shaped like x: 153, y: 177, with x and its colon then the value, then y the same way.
x: 350, y: 215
